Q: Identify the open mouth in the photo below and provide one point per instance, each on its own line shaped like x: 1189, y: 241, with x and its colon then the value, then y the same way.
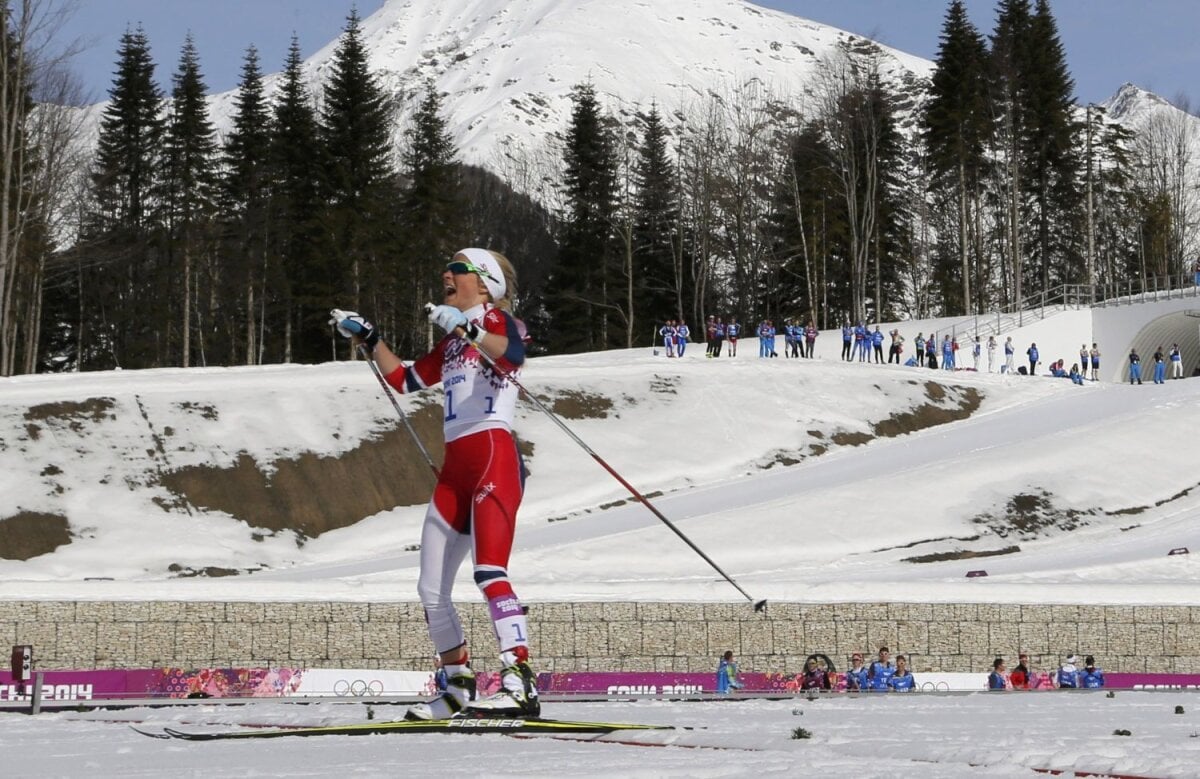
x: 449, y: 291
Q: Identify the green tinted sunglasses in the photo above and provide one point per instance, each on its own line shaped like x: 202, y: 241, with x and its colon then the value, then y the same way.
x: 459, y: 268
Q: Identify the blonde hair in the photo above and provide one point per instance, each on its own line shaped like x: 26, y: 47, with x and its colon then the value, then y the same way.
x: 510, y: 281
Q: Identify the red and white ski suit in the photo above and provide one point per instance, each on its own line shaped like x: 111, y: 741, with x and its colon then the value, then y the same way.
x: 475, y: 501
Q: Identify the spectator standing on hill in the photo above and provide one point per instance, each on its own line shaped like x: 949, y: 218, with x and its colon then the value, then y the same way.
x: 947, y: 354
x: 789, y: 338
x: 997, y: 679
x: 1067, y: 677
x: 1091, y: 677
x: 810, y: 338
x: 919, y: 346
x: 710, y: 337
x: 667, y: 331
x: 1032, y: 353
x: 1095, y: 355
x: 902, y: 680
x: 682, y: 334
x: 1160, y: 366
x: 896, y: 348
x: 881, y: 670
x: 977, y: 352
x: 1010, y: 352
x: 1084, y: 356
x: 877, y: 345
x: 1019, y: 678
x: 991, y: 349
x: 847, y: 341
x: 858, y: 676
x: 732, y: 330
x: 727, y: 674
x: 931, y: 351
x: 1135, y: 366
x: 862, y: 341
x: 1176, y: 362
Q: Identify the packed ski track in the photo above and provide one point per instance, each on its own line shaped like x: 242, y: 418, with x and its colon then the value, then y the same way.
x: 916, y: 735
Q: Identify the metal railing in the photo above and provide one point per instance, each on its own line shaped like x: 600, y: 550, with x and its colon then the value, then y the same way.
x: 1067, y: 297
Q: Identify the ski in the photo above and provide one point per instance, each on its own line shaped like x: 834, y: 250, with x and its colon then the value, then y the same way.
x: 531, y: 725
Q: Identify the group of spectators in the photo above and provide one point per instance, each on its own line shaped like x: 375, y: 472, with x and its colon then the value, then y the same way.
x: 1069, y: 675
x: 882, y: 675
x: 1160, y: 365
x: 675, y: 335
x: 861, y: 343
x: 722, y: 332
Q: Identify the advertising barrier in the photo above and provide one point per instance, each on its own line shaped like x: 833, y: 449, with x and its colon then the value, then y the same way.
x: 324, y: 682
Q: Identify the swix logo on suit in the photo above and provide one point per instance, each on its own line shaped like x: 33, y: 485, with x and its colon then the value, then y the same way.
x: 476, y: 397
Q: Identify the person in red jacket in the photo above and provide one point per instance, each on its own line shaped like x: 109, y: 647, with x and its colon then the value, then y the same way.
x: 1019, y: 677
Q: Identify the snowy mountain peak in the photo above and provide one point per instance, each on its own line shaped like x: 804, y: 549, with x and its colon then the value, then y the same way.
x: 1131, y: 101
x: 506, y: 70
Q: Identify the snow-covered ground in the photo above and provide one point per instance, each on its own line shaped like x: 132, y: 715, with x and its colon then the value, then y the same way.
x: 917, y: 735
x: 1094, y: 484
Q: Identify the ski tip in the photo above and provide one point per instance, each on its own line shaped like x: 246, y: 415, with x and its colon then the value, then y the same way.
x: 761, y: 605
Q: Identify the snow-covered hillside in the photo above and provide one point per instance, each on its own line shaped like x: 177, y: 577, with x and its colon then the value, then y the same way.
x: 800, y: 478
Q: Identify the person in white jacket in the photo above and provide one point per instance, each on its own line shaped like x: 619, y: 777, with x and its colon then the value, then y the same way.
x: 991, y: 347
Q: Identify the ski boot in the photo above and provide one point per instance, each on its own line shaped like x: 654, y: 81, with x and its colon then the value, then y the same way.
x: 460, y: 692
x: 517, y: 696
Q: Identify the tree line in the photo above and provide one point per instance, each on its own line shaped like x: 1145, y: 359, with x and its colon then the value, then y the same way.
x: 865, y: 198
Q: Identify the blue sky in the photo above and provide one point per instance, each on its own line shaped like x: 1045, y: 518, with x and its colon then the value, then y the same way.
x: 1108, y: 42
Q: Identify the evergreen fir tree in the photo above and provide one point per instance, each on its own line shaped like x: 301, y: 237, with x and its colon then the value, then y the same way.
x: 577, y: 295
x: 307, y: 274
x: 356, y: 136
x: 431, y: 212
x: 956, y: 127
x: 660, y: 284
x: 1050, y: 153
x: 189, y: 199
x: 130, y: 133
x: 1009, y: 71
x: 247, y: 193
x: 113, y: 331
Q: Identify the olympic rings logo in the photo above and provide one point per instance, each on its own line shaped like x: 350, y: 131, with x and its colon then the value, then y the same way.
x: 357, y: 687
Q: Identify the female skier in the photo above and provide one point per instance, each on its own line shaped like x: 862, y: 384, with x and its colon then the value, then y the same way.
x: 475, y: 501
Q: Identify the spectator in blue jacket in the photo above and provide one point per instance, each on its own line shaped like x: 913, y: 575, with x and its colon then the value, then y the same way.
x: 1135, y: 367
x: 1091, y: 677
x: 881, y: 670
x: 997, y: 679
x: 1160, y: 366
x: 902, y: 680
x: 1032, y: 352
x: 862, y: 341
x: 1067, y: 677
x: 1176, y: 362
x: 877, y: 345
x: 847, y: 342
x: 857, y: 677
x: 947, y: 354
x: 727, y: 674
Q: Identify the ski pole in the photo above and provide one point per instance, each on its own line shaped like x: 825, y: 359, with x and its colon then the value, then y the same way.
x: 366, y: 355
x: 758, y: 605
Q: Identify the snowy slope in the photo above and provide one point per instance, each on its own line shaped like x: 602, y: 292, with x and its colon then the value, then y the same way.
x: 756, y: 460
